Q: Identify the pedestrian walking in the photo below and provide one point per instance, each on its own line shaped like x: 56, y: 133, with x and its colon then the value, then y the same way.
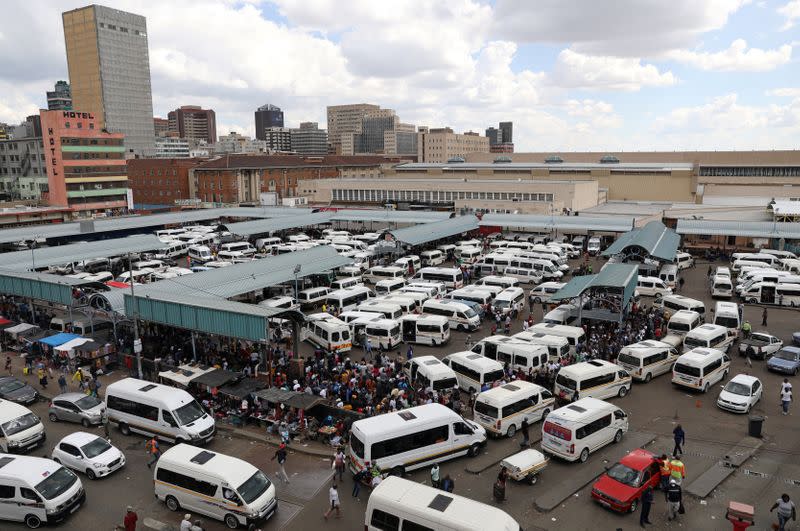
x: 186, y: 523
x: 42, y: 377
x: 130, y: 519
x: 786, y: 396
x: 62, y: 383
x: 526, y: 440
x: 786, y: 510
x: 410, y: 352
x: 338, y: 463
x: 681, y: 281
x: 664, y: 470
x: 499, y: 488
x: 435, y: 476
x: 448, y: 484
x: 677, y: 470
x: 8, y: 365
x: 333, y: 498
x: 674, y: 500
x: 647, y: 502
x: 280, y: 455
x: 680, y: 439
x: 358, y: 477
x: 764, y: 317
x: 151, y: 446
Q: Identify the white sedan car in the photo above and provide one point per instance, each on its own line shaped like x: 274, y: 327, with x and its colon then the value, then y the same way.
x: 88, y: 453
x: 740, y: 394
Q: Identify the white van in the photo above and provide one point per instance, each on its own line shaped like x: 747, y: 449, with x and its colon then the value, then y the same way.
x: 509, y: 300
x: 727, y: 314
x: 469, y: 255
x: 428, y: 291
x: 721, y: 286
x: 739, y: 264
x: 652, y: 287
x: 38, y: 491
x: 20, y: 429
x: 595, y: 378
x: 348, y: 298
x: 474, y: 371
x: 157, y: 410
x: 675, y: 303
x: 425, y: 329
x: 787, y: 294
x: 518, y: 354
x: 473, y: 294
x: 501, y: 410
x: 139, y: 276
x: 557, y: 346
x: 647, y: 359
x: 387, y: 309
x: 451, y: 277
x: 413, y: 438
x: 461, y: 316
x: 297, y: 238
x: 216, y: 485
x: 722, y: 271
x: 242, y: 247
x: 683, y: 321
x: 708, y: 336
x: 669, y: 274
x: 430, y: 372
x: 377, y: 273
x: 387, y: 286
x: 401, y: 504
x: 349, y: 272
x: 700, y: 368
x: 383, y: 333
x: 543, y: 291
x: 328, y: 332
x: 759, y: 293
x: 407, y: 303
x: 431, y: 258
x: 403, y: 262
x: 791, y: 265
x: 346, y: 283
x: 529, y: 277
x: 574, y: 334
x: 200, y: 253
x: 501, y: 282
x: 280, y: 302
x: 564, y: 314
x: 764, y: 258
x: 593, y: 247
x: 574, y: 431
x: 684, y: 260
x: 312, y: 297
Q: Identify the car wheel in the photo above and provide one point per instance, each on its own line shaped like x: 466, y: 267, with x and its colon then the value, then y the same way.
x: 622, y: 392
x: 52, y: 417
x: 705, y: 388
x: 618, y: 436
x: 474, y: 450
x: 584, y: 455
x: 86, y: 423
x: 648, y: 377
x: 33, y: 521
x: 511, y: 431
x: 124, y: 429
x: 532, y: 479
x: 634, y: 505
x: 172, y: 504
x: 55, y: 459
x: 794, y: 372
x: 537, y: 300
x: 90, y: 474
x: 724, y: 375
x: 231, y: 521
x: 545, y: 413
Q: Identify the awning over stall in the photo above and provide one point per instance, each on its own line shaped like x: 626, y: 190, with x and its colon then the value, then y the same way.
x: 58, y: 339
x: 242, y: 388
x: 216, y: 378
x: 20, y: 329
x: 73, y: 343
x: 276, y: 395
x: 183, y: 375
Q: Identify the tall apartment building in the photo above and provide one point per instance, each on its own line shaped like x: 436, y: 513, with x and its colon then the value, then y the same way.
x: 345, y: 121
x: 236, y: 143
x: 160, y: 126
x: 267, y: 116
x: 170, y: 147
x: 194, y: 123
x: 278, y: 139
x: 109, y: 71
x: 309, y: 139
x: 60, y: 98
x: 439, y: 145
x: 22, y: 168
x: 501, y: 140
x: 380, y: 131
x: 507, y: 130
x: 86, y: 168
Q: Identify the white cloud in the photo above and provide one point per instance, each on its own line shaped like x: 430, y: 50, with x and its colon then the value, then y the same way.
x: 737, y: 58
x: 790, y: 11
x: 576, y: 70
x: 785, y: 92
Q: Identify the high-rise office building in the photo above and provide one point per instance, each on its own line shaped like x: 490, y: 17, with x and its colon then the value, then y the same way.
x: 501, y: 140
x: 194, y: 123
x: 278, y: 139
x: 309, y: 139
x: 109, y: 71
x: 344, y: 121
x: 494, y: 135
x: 440, y: 145
x: 60, y: 98
x: 161, y: 127
x: 267, y: 116
x: 507, y: 128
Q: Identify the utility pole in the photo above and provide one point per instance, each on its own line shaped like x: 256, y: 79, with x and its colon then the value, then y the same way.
x: 137, y: 343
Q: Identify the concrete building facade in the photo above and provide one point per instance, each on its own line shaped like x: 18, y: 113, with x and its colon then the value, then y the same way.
x: 86, y: 168
x: 162, y: 181
x: 442, y: 144
x: 309, y: 140
x: 344, y: 121
x: 236, y: 143
x: 194, y: 123
x: 170, y: 147
x: 60, y: 98
x: 109, y: 71
x: 160, y: 127
x: 23, y: 174
x: 267, y: 116
x: 278, y: 139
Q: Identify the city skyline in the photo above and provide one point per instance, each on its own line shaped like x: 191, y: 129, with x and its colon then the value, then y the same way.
x: 636, y: 76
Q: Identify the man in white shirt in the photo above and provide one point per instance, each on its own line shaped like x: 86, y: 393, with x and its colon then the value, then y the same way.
x: 786, y: 396
x: 333, y: 497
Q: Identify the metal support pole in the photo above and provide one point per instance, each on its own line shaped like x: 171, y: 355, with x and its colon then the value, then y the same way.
x: 194, y: 349
x: 137, y: 345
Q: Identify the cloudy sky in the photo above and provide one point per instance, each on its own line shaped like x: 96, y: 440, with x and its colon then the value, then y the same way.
x: 570, y: 74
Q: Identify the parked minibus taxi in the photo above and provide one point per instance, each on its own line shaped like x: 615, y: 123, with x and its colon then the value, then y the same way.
x: 574, y: 431
x: 501, y: 410
x: 647, y: 359
x: 700, y: 368
x: 594, y: 378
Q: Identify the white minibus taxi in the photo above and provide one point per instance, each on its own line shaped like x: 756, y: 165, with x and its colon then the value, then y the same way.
x: 527, y: 276
x: 518, y: 354
x: 646, y: 359
x: 472, y: 294
x: 158, y: 410
x: 242, y: 247
x: 727, y: 314
x: 700, y: 368
x: 387, y: 309
x: 461, y: 316
x: 404, y: 296
x: 684, y: 260
x: 669, y: 274
x: 574, y: 334
x: 574, y: 431
x: 312, y: 297
x: 438, y: 287
x: 430, y: 372
x: 428, y: 292
x: 431, y: 258
x: 37, y: 491
x: 595, y: 378
x: 407, y: 303
x: 349, y: 272
x: 787, y: 294
x: 327, y: 332
x: 676, y: 303
x: 683, y: 321
x: 348, y: 298
x: 509, y: 300
x: 215, y: 485
x: 708, y: 336
x: 346, y: 283
x: 791, y: 265
x: 557, y: 346
x: 501, y: 410
x: 401, y: 504
x: 404, y: 261
x: 389, y: 285
x: 20, y: 429
x: 413, y: 438
x: 425, y: 329
x: 474, y: 371
x: 451, y: 277
x: 383, y: 333
x: 721, y: 286
x: 200, y: 253
x: 652, y: 287
x: 543, y: 291
x: 494, y: 280
x: 377, y: 273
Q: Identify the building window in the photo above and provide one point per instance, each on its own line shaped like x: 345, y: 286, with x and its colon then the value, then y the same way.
x: 66, y: 125
x: 91, y: 125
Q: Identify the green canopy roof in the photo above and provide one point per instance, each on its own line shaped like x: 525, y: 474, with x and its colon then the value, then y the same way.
x: 621, y: 276
x: 657, y: 240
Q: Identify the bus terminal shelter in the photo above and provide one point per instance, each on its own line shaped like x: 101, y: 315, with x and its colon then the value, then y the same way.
x: 648, y: 246
x: 605, y: 296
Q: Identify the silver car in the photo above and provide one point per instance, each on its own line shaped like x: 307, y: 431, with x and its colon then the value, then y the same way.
x: 77, y: 407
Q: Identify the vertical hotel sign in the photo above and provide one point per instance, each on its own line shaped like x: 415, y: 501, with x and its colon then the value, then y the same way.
x: 54, y: 125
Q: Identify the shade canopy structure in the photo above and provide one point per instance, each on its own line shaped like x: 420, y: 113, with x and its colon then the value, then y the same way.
x: 268, y: 226
x: 276, y: 395
x: 437, y: 230
x: 654, y: 240
x: 72, y: 344
x: 58, y: 339
x: 216, y: 378
x: 243, y: 388
x: 184, y: 374
x: 389, y: 216
x: 747, y: 229
x: 604, y: 296
x: 568, y: 224
x: 21, y: 328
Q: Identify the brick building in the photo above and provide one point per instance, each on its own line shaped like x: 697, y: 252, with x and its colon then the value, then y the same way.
x: 160, y: 181
x: 242, y: 178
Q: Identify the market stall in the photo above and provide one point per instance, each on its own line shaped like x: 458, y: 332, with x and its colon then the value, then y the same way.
x: 98, y: 353
x: 281, y: 407
x: 17, y: 332
x: 183, y: 375
x: 230, y: 398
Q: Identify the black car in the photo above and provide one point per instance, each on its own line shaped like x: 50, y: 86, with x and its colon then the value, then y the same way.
x: 17, y: 391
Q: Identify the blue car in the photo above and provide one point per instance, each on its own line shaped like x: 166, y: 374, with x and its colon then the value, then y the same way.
x: 786, y: 360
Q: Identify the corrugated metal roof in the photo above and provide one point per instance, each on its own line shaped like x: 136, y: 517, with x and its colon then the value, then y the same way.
x: 786, y: 208
x: 649, y: 166
x: 41, y: 286
x: 115, y: 299
x: 428, y: 232
x: 389, y: 216
x: 622, y: 276
x: 65, y: 254
x: 749, y: 229
x: 266, y: 226
x: 563, y: 223
x: 656, y: 239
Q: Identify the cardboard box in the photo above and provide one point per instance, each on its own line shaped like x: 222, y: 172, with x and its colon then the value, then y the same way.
x: 741, y: 510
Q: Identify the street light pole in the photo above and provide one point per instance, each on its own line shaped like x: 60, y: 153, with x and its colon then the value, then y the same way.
x: 137, y: 343
x: 297, y: 269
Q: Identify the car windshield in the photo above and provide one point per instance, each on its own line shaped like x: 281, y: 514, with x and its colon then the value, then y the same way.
x: 95, y: 448
x: 624, y: 474
x: 11, y: 386
x: 738, y: 388
x: 56, y: 483
x: 189, y: 413
x: 501, y: 304
x: 786, y: 355
x: 470, y: 313
x: 20, y: 424
x: 254, y: 487
x: 694, y: 342
x: 88, y: 402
